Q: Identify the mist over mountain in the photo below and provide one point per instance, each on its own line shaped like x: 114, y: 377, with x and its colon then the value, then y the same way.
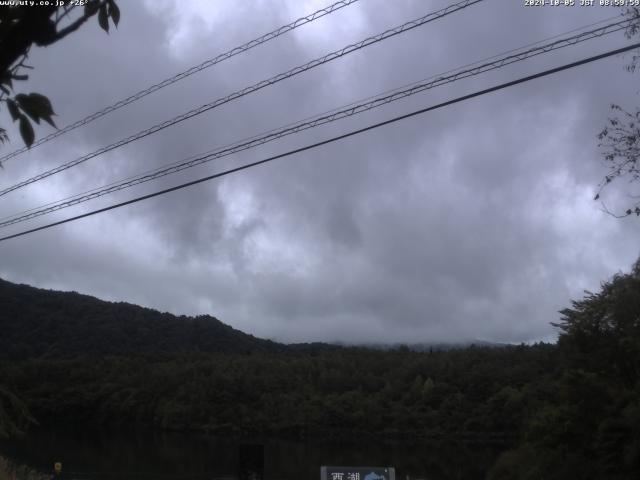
x: 425, y: 346
x: 51, y: 324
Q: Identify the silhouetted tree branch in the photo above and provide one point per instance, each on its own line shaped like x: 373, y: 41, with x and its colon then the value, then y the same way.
x: 620, y: 139
x: 21, y: 27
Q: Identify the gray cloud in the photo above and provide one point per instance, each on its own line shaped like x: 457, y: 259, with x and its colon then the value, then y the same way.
x: 474, y: 221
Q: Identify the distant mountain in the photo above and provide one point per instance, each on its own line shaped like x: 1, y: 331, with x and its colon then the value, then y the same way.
x: 428, y: 346
x: 35, y: 323
x: 44, y: 323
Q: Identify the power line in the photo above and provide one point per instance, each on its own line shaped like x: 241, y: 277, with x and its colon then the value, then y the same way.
x: 333, y: 139
x: 247, y: 90
x: 258, y: 140
x: 198, y: 68
x: 344, y: 112
x: 608, y: 19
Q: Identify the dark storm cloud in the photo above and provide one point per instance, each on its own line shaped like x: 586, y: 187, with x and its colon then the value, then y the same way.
x: 474, y: 221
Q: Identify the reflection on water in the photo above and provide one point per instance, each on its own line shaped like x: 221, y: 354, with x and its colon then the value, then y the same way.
x: 109, y: 455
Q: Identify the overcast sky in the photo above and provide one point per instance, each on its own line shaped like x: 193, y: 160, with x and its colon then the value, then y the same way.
x: 471, y: 222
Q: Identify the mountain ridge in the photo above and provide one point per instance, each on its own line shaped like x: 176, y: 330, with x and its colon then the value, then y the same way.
x: 37, y: 322
x: 45, y: 323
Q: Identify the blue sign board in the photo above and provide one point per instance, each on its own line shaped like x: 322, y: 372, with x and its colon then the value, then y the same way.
x: 357, y: 473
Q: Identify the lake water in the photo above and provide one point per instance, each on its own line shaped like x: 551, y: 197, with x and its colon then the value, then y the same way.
x: 108, y: 455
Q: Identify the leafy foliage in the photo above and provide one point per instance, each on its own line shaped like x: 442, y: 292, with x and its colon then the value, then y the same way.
x: 589, y: 425
x: 14, y: 414
x: 12, y: 471
x: 620, y: 139
x: 22, y: 26
x: 345, y: 392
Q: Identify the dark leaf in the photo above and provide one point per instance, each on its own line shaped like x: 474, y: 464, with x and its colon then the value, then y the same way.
x: 23, y: 101
x: 37, y: 106
x: 6, y: 79
x: 596, y: 197
x: 114, y: 12
x: 628, y: 212
x: 26, y: 131
x: 13, y: 109
x: 50, y: 121
x: 91, y: 8
x: 103, y: 18
x: 41, y: 104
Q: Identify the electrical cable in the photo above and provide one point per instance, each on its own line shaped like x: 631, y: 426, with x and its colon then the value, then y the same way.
x: 330, y: 140
x: 253, y: 88
x: 344, y: 112
x: 198, y: 68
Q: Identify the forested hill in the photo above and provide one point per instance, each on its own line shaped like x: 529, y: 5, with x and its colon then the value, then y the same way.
x: 569, y: 410
x: 44, y: 323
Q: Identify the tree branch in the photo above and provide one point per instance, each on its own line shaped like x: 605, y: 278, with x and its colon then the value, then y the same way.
x: 75, y: 25
x: 606, y: 210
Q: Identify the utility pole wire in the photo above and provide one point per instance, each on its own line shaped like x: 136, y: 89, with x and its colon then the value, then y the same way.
x: 253, y: 88
x: 333, y: 139
x: 343, y: 112
x: 198, y: 68
x: 138, y: 178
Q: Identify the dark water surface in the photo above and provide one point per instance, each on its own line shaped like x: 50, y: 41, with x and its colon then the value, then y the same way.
x: 110, y: 455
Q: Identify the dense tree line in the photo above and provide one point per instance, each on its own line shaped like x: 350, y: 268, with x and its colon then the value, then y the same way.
x: 478, y: 391
x: 588, y: 425
x: 565, y: 410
